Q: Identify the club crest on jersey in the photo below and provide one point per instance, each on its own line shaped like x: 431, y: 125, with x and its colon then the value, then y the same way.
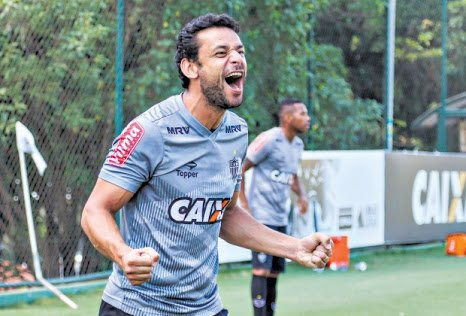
x: 186, y: 210
x: 126, y: 144
x: 234, y: 165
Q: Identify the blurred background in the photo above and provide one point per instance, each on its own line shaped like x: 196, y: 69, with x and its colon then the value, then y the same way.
x: 75, y: 72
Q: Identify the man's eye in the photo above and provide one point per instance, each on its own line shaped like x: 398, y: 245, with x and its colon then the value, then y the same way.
x: 242, y: 52
x: 220, y: 54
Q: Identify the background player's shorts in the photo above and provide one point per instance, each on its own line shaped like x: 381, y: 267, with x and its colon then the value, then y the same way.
x: 264, y: 261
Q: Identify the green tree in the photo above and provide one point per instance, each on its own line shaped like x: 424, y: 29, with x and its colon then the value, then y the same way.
x: 277, y: 61
x: 358, y: 28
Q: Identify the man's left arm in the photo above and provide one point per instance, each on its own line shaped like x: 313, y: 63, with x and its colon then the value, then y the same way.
x: 302, y: 199
x: 241, y: 229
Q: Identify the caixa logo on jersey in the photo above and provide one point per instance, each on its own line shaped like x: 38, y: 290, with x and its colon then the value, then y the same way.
x: 126, y: 144
x: 186, y: 210
x: 281, y: 177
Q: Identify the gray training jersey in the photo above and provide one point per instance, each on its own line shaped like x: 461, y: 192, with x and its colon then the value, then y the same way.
x: 276, y: 160
x: 183, y: 176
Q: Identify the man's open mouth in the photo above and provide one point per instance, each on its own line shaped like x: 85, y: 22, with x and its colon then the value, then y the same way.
x: 235, y: 80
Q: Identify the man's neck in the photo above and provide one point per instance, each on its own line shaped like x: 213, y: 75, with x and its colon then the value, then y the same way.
x: 288, y: 132
x: 208, y: 115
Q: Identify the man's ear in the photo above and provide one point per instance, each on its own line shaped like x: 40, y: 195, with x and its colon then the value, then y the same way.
x: 189, y: 68
x: 286, y: 117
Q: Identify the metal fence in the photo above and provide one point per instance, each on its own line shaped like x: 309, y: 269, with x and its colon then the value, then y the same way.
x: 57, y: 76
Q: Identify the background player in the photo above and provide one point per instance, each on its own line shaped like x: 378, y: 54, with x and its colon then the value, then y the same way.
x: 275, y: 155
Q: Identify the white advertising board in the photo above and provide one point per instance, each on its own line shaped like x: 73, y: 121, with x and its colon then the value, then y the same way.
x: 346, y: 192
x: 230, y: 253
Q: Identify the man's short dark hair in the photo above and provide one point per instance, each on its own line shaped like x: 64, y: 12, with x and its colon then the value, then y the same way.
x: 186, y: 44
x: 285, y: 103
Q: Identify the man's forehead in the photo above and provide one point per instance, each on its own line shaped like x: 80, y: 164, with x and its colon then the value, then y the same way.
x: 300, y: 106
x: 218, y: 36
x: 297, y: 107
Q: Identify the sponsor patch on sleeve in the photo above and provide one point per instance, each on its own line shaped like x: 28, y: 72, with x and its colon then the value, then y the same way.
x: 126, y: 144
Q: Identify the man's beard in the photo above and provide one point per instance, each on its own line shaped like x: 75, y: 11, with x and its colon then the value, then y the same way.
x: 215, y: 95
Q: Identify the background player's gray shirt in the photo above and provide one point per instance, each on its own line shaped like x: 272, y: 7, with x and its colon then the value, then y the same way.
x: 276, y: 160
x: 183, y: 176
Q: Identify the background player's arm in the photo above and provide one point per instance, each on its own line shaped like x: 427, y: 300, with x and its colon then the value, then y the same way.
x: 241, y: 229
x: 242, y: 194
x: 302, y: 199
x: 98, y: 222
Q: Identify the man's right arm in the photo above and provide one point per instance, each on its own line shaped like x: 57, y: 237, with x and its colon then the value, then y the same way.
x: 98, y: 222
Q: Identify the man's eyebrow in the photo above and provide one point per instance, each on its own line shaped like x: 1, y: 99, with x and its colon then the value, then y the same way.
x: 222, y: 46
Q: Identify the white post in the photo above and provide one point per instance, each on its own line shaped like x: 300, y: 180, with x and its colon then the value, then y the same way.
x: 25, y: 143
x: 389, y: 73
x: 30, y: 221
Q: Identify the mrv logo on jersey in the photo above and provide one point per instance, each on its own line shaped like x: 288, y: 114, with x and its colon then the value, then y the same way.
x: 186, y: 210
x: 178, y: 130
x: 232, y: 129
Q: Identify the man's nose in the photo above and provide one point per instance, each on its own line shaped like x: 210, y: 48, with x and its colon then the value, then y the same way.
x: 236, y: 58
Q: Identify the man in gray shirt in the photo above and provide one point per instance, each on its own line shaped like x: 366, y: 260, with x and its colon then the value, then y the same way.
x: 175, y: 174
x: 275, y: 155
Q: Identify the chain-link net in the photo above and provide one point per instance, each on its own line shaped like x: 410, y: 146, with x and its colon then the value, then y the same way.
x: 348, y: 67
x: 57, y: 78
x: 418, y: 70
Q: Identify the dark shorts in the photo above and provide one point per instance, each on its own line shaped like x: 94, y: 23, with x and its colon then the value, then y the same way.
x: 109, y: 310
x: 263, y: 261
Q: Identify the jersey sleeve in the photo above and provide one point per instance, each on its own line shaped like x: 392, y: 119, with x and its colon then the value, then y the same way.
x: 134, y: 155
x: 300, y: 149
x: 260, y: 148
x: 299, y: 154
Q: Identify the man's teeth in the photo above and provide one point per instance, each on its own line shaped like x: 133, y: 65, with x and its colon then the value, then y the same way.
x: 235, y: 75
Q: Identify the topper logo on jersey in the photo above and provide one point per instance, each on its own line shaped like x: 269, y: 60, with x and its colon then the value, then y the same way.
x: 281, y: 177
x: 232, y: 129
x: 187, y: 172
x: 431, y: 200
x: 185, y: 210
x: 178, y: 130
x: 126, y: 144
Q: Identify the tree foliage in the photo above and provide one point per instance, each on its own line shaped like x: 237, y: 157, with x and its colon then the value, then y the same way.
x: 358, y: 28
x: 277, y: 49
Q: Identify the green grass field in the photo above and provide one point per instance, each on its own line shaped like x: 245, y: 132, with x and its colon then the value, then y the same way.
x: 397, y: 282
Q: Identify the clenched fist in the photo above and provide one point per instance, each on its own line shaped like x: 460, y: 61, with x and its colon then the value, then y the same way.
x: 137, y: 264
x: 314, y: 251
